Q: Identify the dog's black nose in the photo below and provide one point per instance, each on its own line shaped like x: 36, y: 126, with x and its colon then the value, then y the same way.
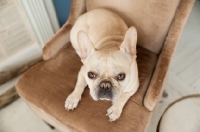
x: 105, y: 90
x: 105, y: 85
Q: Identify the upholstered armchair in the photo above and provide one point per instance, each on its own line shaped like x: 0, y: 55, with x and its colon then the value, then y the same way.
x: 45, y: 86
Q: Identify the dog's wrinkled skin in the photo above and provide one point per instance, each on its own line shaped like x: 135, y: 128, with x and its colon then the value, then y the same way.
x: 107, y: 49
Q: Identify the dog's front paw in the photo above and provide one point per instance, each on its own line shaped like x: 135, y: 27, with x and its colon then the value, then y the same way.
x: 72, y: 101
x: 114, y: 113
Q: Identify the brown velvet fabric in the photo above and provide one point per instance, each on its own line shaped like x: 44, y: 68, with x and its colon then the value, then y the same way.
x: 47, y: 85
x: 152, y: 18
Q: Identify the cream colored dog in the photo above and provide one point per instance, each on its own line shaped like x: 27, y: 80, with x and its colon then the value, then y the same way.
x: 107, y: 49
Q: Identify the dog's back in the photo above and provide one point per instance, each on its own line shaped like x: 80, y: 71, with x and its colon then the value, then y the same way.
x: 102, y: 26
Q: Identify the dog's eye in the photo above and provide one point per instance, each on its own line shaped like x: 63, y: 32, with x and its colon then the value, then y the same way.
x: 121, y: 76
x: 92, y: 75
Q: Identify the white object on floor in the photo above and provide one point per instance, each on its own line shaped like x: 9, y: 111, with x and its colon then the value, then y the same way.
x: 183, y: 116
x: 18, y: 117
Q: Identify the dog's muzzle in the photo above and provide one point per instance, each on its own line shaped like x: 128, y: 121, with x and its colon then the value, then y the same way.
x: 105, y: 90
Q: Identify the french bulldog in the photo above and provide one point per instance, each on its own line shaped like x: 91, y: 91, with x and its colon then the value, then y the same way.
x: 107, y: 48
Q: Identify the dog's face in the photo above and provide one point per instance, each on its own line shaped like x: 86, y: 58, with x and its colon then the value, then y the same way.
x: 108, y: 73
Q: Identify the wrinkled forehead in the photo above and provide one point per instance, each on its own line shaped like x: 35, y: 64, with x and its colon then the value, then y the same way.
x: 112, y: 63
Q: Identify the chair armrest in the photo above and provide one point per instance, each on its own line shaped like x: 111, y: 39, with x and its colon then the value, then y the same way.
x: 62, y: 37
x: 165, y: 56
x: 59, y: 40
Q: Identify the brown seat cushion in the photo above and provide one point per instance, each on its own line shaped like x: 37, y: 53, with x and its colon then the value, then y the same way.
x: 47, y: 85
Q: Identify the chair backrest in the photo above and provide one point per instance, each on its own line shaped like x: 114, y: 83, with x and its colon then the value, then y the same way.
x: 152, y: 18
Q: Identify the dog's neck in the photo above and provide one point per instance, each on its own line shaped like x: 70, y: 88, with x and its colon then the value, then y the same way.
x: 109, y: 43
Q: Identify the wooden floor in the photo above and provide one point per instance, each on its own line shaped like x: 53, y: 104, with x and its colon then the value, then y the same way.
x: 183, y: 79
x: 184, y: 73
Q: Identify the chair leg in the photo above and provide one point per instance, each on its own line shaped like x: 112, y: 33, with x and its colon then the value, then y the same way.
x: 52, y: 127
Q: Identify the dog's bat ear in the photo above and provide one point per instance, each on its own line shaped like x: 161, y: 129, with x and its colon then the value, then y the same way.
x: 130, y: 42
x: 84, y: 43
